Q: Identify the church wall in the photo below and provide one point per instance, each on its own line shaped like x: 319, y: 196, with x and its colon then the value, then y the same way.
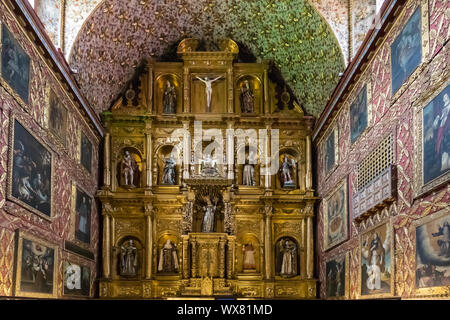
x: 67, y: 170
x: 387, y: 115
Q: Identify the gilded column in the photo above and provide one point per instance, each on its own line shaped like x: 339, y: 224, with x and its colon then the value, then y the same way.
x: 309, y: 247
x: 150, y: 89
x: 107, y: 160
x: 148, y: 157
x: 230, y: 149
x: 268, y: 240
x: 230, y: 89
x: 230, y: 258
x: 194, y: 258
x: 186, y: 149
x: 222, y: 258
x: 302, y: 257
x: 308, y: 164
x: 266, y: 92
x: 106, y: 244
x: 185, y: 264
x: 186, y: 85
x: 148, y: 240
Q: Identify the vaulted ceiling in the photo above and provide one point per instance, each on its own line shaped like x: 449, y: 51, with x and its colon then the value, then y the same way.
x: 119, y: 34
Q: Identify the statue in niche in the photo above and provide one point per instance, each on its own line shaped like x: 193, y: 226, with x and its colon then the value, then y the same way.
x: 248, y: 178
x: 169, y: 171
x: 247, y: 98
x: 288, y: 254
x: 208, y: 88
x: 128, y: 259
x: 209, y: 166
x: 209, y: 215
x: 168, y: 258
x: 287, y: 172
x: 129, y: 168
x: 169, y: 98
x: 249, y: 257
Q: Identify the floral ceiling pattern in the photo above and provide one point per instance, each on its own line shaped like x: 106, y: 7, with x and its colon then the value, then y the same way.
x: 119, y: 34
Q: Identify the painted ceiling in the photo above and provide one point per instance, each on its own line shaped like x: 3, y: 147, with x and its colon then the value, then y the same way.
x: 119, y: 34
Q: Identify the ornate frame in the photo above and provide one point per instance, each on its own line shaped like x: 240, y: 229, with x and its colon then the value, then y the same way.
x: 367, y: 84
x: 390, y: 231
x: 9, y: 196
x: 73, y: 213
x: 334, y: 131
x: 76, y: 262
x: 419, y: 187
x: 430, y: 292
x: 49, y: 92
x: 326, y: 245
x: 20, y: 235
x: 3, y: 82
x: 79, y: 138
x: 346, y: 257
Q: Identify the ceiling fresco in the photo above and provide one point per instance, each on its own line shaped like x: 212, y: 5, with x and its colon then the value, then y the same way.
x: 119, y: 34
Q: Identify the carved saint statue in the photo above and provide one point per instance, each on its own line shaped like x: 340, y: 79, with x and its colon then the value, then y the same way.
x: 289, y: 258
x: 249, y: 257
x: 247, y: 98
x: 129, y: 167
x: 128, y: 259
x: 168, y: 258
x: 169, y: 99
x: 209, y: 166
x: 248, y: 178
x: 287, y: 172
x: 169, y: 171
x: 208, y: 89
x: 208, y: 218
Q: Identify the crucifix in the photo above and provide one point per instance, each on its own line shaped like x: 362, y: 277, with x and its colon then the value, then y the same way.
x: 208, y: 89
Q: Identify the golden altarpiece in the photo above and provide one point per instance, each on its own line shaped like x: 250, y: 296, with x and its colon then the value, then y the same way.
x: 179, y: 222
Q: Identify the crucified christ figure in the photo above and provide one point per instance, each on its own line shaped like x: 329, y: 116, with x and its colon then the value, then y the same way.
x: 208, y: 88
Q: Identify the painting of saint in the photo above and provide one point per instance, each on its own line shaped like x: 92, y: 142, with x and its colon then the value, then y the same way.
x: 83, y: 217
x: 328, y: 153
x: 433, y: 253
x: 406, y: 51
x: 86, y: 153
x: 335, y: 277
x: 31, y: 174
x: 376, y: 258
x: 37, y: 267
x: 77, y: 279
x: 15, y: 65
x: 436, y: 136
x: 358, y: 115
x: 336, y: 219
x: 57, y: 117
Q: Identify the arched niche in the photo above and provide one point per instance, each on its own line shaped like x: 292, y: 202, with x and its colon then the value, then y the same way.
x: 160, y: 243
x: 200, y: 203
x: 251, y: 157
x: 255, y: 86
x: 122, y: 163
x: 292, y: 157
x: 211, y: 148
x: 243, y: 240
x: 162, y: 154
x: 159, y: 89
x: 284, y: 247
x: 121, y: 245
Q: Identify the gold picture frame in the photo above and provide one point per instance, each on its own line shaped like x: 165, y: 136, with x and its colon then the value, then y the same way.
x: 326, y: 207
x: 430, y: 292
x: 73, y: 214
x: 334, y: 131
x: 10, y: 196
x: 420, y: 187
x: 367, y: 85
x: 344, y: 257
x: 25, y: 241
x: 50, y: 95
x: 76, y: 262
x: 385, y: 243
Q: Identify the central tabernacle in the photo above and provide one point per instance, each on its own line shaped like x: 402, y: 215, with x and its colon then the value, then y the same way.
x: 207, y: 182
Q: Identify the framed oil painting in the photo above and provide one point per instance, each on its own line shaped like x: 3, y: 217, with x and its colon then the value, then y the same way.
x: 31, y: 174
x: 86, y: 153
x: 15, y: 65
x: 377, y: 262
x: 77, y: 280
x: 82, y: 215
x: 432, y: 136
x: 335, y: 216
x: 432, y: 266
x: 358, y: 115
x: 57, y: 117
x: 337, y: 277
x: 406, y: 51
x: 329, y: 151
x: 35, y: 273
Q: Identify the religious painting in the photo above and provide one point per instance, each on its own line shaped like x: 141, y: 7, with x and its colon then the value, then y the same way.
x: 329, y: 151
x: 335, y: 216
x: 432, y: 266
x: 86, y: 153
x: 31, y: 172
x: 286, y: 257
x: 83, y: 217
x: 377, y: 262
x: 406, y: 51
x: 35, y: 272
x: 15, y: 64
x: 77, y: 280
x: 336, y: 271
x: 57, y: 117
x: 358, y: 115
